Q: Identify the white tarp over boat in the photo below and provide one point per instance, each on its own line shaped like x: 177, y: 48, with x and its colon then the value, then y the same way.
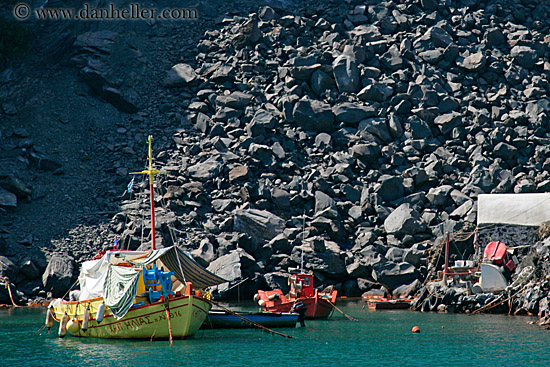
x: 118, y: 284
x: 515, y: 209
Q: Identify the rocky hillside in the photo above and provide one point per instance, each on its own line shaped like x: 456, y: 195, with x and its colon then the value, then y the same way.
x: 350, y: 134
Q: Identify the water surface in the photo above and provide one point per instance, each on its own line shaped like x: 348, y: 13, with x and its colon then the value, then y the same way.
x: 380, y: 338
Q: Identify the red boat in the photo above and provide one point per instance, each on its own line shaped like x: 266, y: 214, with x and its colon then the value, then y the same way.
x: 318, y: 304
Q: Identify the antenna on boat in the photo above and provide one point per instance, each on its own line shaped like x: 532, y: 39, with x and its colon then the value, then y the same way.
x: 303, y: 233
x: 303, y: 240
x: 151, y: 172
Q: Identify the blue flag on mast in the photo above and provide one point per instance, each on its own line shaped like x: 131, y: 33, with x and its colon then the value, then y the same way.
x: 131, y: 184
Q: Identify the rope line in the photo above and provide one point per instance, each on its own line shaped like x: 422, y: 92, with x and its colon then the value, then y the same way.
x: 248, y: 320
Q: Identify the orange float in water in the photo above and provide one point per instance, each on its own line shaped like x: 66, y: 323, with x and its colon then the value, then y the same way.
x: 416, y: 329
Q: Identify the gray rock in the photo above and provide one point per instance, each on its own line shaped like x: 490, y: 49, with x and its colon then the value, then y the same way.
x: 368, y: 153
x: 351, y: 113
x: 124, y: 100
x: 356, y: 269
x: 16, y: 186
x: 458, y: 197
x: 280, y: 244
x: 321, y: 81
x: 346, y: 74
x: 419, y: 129
x: 448, y: 122
x: 390, y: 188
x: 505, y: 151
x: 237, y: 100
x: 323, y: 141
x: 525, y: 186
x: 439, y: 36
x: 205, y: 254
x: 314, y: 115
x: 462, y: 210
x: 525, y: 56
x: 438, y: 196
x: 393, y: 275
x: 366, y: 33
x: 281, y: 198
x: 30, y: 270
x: 179, y: 75
x: 493, y: 37
x: 7, y: 199
x: 234, y: 266
x: 262, y: 224
x: 392, y: 59
x: 264, y: 119
x: 472, y: 63
x: 413, y: 256
x: 394, y: 254
x: 395, y: 126
x: 58, y: 275
x: 206, y: 170
x: 404, y: 220
x: 267, y: 13
x: 432, y: 56
x: 377, y: 127
x: 407, y: 290
x: 238, y: 172
x: 248, y: 34
x: 328, y: 262
x: 261, y: 152
x: 325, y: 205
x: 8, y: 268
x: 277, y: 280
x: 375, y: 92
x: 429, y: 5
x: 222, y: 205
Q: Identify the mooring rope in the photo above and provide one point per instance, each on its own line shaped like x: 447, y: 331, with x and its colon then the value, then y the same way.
x: 248, y: 320
x: 489, y: 305
x: 7, y: 284
x: 342, y: 312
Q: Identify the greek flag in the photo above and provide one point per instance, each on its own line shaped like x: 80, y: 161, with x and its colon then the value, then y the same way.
x: 131, y: 184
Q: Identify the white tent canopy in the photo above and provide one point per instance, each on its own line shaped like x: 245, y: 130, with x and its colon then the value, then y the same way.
x: 514, y: 209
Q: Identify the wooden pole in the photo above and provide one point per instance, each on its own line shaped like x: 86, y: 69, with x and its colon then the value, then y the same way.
x: 446, y: 269
x: 151, y: 173
x: 167, y: 308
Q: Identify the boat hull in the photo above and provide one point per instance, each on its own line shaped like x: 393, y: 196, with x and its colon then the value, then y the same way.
x: 187, y: 314
x: 319, y: 306
x: 389, y: 305
x: 224, y: 320
x: 382, y: 303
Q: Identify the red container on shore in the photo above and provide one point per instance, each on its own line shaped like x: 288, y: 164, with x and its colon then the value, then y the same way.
x: 495, y: 252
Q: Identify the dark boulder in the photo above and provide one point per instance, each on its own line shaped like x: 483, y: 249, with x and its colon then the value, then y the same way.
x: 314, y: 115
x: 262, y: 224
x: 58, y: 275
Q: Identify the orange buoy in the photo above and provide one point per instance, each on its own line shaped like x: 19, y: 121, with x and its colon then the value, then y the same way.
x: 416, y: 329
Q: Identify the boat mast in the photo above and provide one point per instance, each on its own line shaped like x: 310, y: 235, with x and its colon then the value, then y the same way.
x: 151, y: 172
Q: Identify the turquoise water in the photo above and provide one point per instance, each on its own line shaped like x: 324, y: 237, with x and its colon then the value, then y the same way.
x: 379, y: 338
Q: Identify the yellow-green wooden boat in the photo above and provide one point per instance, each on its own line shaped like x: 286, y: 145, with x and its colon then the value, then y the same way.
x: 127, y: 294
